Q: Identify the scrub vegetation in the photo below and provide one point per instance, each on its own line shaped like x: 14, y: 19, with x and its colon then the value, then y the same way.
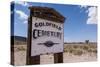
x: 79, y: 49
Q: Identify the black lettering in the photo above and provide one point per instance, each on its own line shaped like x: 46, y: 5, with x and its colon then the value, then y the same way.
x: 34, y: 33
x: 59, y: 35
x: 40, y: 24
x: 36, y: 25
x: 38, y: 33
x: 48, y: 34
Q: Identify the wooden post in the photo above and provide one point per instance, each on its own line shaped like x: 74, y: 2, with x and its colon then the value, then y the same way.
x: 12, y: 33
x: 12, y: 50
x: 30, y: 60
x: 58, y: 57
x: 34, y: 60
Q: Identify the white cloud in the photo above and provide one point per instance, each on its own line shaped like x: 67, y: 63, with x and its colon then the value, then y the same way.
x: 92, y: 15
x: 83, y: 6
x: 25, y: 21
x: 23, y: 3
x: 22, y: 15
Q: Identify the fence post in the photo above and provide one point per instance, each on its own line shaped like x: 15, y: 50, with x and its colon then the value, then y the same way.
x: 58, y: 57
x: 31, y: 59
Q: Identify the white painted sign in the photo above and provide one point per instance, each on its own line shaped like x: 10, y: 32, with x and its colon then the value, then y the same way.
x: 47, y: 37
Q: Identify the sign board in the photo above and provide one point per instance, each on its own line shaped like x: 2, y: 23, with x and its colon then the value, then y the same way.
x: 45, y: 34
x: 46, y: 37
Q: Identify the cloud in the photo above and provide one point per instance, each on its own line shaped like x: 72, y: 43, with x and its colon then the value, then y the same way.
x: 22, y: 15
x: 83, y: 6
x: 23, y: 3
x: 91, y: 13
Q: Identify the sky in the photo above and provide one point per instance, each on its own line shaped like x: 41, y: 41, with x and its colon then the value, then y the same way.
x: 80, y: 23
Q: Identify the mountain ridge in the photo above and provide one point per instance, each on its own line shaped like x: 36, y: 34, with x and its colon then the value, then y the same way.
x: 19, y: 38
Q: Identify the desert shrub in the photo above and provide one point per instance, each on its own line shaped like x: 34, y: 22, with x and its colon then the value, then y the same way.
x: 75, y: 46
x: 71, y: 51
x: 95, y: 51
x: 75, y: 51
x: 21, y: 48
x: 85, y: 47
x: 92, y: 50
x: 78, y: 49
x: 65, y: 50
x: 78, y: 52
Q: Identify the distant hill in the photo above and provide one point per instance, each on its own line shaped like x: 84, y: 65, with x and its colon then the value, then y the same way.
x: 19, y: 40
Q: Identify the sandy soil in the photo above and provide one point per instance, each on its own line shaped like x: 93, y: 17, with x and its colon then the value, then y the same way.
x: 20, y: 58
x: 69, y: 58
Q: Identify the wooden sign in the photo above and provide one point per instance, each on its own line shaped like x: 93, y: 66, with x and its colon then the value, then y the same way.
x: 47, y: 37
x: 45, y: 32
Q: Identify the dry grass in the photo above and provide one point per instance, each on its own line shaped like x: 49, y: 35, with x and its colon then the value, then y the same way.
x: 79, y: 49
x: 76, y: 49
x: 20, y: 48
x: 72, y: 53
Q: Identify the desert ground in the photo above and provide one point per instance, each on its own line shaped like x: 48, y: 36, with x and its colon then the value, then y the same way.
x: 73, y: 53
